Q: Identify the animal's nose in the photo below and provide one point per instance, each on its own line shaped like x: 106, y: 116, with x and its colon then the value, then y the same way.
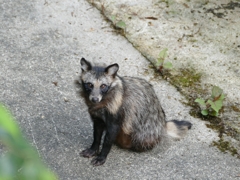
x: 95, y: 99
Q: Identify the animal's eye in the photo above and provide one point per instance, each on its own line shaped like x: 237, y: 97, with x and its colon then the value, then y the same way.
x: 89, y: 85
x: 103, y: 86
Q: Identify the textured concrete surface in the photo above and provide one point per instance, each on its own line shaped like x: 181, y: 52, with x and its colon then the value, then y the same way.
x: 199, y: 34
x: 41, y: 45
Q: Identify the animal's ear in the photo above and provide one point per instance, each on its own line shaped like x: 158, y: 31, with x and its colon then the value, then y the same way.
x: 112, y: 69
x: 85, y: 65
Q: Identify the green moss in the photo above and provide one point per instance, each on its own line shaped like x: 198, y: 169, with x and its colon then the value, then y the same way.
x: 186, y: 78
x: 182, y: 78
x: 235, y: 108
x: 192, y: 40
x: 225, y: 146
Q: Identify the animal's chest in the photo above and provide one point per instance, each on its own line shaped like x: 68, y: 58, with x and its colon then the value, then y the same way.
x: 98, y: 113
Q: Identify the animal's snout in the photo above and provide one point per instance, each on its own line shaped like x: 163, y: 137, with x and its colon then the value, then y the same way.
x: 95, y: 99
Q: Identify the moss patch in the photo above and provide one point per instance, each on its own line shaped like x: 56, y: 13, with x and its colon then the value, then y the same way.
x: 187, y: 78
x: 225, y: 146
x: 235, y: 108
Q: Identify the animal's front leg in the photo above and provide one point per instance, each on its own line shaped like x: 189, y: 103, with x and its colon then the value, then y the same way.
x: 111, y: 133
x: 98, y: 128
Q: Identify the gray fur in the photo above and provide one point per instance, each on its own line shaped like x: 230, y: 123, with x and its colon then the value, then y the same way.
x: 136, y: 101
x: 144, y: 117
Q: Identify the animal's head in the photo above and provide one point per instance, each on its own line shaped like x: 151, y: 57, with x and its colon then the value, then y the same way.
x: 97, y: 81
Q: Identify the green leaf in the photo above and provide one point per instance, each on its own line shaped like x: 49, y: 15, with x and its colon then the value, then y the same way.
x: 167, y: 65
x: 200, y: 101
x: 204, y: 112
x: 113, y: 18
x: 7, y: 123
x: 21, y: 161
x: 213, y: 113
x: 222, y: 97
x: 163, y: 53
x: 216, y: 106
x: 159, y: 62
x: 121, y: 24
x: 216, y: 91
x: 47, y: 175
x: 9, y: 165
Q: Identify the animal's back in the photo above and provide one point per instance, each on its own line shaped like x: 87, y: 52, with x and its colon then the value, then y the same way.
x: 144, y: 118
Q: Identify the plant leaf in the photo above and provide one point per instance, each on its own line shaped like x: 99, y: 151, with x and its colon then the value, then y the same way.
x: 21, y: 161
x: 159, y: 62
x: 167, y: 65
x: 163, y: 54
x: 222, y: 97
x: 216, y: 105
x: 213, y: 113
x: 9, y: 165
x: 113, y: 18
x: 204, y: 112
x: 121, y: 24
x: 216, y: 91
x: 200, y: 101
x: 7, y: 123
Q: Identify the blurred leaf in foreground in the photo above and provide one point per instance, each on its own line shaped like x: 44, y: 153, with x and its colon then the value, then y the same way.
x: 21, y: 161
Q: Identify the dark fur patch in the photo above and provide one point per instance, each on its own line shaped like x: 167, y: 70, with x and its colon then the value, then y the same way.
x: 98, y: 71
x: 181, y: 124
x: 124, y: 140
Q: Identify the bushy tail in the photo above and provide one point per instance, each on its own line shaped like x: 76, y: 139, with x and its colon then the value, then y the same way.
x: 177, y: 129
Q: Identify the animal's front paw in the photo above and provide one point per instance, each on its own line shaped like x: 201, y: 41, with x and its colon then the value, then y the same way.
x: 88, y: 153
x: 98, y: 161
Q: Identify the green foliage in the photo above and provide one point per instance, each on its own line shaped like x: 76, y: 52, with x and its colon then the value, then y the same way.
x: 225, y: 146
x: 121, y: 24
x: 113, y: 18
x: 118, y: 24
x: 21, y: 162
x: 160, y: 61
x: 212, y: 105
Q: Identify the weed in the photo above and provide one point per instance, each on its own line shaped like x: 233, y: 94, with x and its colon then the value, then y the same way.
x: 213, y: 104
x: 160, y: 61
x: 118, y: 24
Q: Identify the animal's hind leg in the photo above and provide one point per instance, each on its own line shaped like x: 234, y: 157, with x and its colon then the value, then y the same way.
x: 124, y: 140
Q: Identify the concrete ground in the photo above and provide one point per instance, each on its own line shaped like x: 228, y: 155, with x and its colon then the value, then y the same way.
x: 41, y: 45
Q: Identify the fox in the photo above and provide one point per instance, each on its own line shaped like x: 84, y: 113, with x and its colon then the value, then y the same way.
x: 125, y: 110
